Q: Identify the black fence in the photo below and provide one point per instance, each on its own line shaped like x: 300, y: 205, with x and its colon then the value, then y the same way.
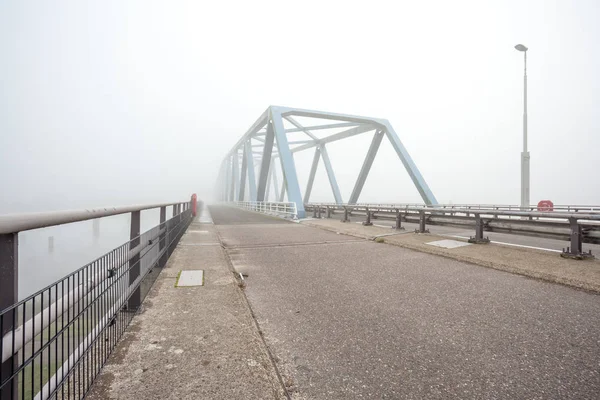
x: 56, y: 341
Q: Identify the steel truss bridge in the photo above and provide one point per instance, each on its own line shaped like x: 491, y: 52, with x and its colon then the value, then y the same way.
x: 244, y: 165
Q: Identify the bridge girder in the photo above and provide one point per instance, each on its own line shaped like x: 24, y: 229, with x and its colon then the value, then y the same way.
x: 274, y: 148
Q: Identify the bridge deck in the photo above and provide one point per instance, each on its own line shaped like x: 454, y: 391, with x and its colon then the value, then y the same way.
x: 350, y: 318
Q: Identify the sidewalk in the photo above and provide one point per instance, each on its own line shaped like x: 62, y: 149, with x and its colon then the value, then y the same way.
x: 191, y: 342
x: 539, y: 264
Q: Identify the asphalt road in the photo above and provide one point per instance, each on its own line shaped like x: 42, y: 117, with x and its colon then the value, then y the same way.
x: 355, y: 319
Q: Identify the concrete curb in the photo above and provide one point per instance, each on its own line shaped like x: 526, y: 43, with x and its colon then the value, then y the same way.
x: 577, y: 284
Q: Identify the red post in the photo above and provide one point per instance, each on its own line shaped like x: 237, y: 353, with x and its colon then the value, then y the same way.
x: 194, y: 204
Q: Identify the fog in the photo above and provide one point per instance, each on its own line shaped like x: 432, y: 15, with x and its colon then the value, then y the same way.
x: 115, y: 102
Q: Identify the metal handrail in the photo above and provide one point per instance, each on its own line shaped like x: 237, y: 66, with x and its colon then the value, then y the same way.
x: 269, y: 207
x: 12, y: 223
x: 483, y: 218
x: 109, y: 286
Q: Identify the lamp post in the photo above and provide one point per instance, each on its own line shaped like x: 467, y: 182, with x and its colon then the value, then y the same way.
x: 524, y: 154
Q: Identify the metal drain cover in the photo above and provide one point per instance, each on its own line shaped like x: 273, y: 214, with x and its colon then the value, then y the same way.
x: 190, y: 278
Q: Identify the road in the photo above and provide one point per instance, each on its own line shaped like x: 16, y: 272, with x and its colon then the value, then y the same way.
x: 356, y: 319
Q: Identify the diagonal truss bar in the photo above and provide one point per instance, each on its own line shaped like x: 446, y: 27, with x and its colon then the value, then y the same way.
x: 301, y: 128
x: 269, y: 180
x: 236, y: 176
x: 242, y: 192
x: 275, y: 182
x: 311, y: 177
x: 251, y: 175
x: 231, y: 181
x: 265, y: 163
x: 411, y: 168
x: 364, y: 171
x: 332, y: 181
x: 287, y: 163
x: 338, y: 136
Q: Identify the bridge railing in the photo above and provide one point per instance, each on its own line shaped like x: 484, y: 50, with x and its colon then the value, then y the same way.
x: 285, y: 209
x: 55, y: 341
x: 578, y: 227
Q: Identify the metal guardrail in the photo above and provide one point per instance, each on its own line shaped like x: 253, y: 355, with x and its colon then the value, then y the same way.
x: 267, y: 207
x: 579, y: 226
x: 55, y: 341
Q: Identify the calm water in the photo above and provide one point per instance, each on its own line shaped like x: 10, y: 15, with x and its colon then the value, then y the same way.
x: 74, y: 247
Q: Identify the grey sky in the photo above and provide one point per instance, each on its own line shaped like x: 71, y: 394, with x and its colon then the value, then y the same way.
x: 120, y: 102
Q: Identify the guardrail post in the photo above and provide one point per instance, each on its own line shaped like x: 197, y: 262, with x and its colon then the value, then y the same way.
x: 398, y: 225
x: 368, y: 221
x: 9, y: 273
x: 328, y: 212
x: 134, y: 263
x: 163, y: 238
x: 319, y: 211
x: 345, y: 215
x: 575, y: 251
x: 478, y: 238
x: 422, y: 220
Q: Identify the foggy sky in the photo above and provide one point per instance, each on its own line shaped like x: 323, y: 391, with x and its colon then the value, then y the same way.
x: 119, y: 102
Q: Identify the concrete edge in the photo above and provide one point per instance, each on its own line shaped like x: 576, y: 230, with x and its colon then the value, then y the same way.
x: 241, y: 284
x: 576, y: 284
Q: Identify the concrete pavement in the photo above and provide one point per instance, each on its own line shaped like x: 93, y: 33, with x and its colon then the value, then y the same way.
x: 193, y: 342
x: 357, y: 319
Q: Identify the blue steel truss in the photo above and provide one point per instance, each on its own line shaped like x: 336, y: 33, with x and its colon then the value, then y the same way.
x: 272, y: 141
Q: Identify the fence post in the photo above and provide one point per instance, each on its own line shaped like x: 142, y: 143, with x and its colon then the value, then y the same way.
x: 134, y: 262
x: 422, y: 220
x: 398, y: 225
x: 478, y: 238
x: 368, y: 221
x: 576, y: 249
x: 345, y: 215
x: 9, y: 273
x: 163, y: 238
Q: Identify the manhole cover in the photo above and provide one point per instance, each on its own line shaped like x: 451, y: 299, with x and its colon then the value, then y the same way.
x: 448, y: 244
x: 190, y: 278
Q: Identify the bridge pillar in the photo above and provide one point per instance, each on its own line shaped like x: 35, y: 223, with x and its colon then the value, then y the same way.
x: 134, y: 263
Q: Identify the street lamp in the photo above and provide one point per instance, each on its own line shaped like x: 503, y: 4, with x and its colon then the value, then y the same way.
x: 524, y: 154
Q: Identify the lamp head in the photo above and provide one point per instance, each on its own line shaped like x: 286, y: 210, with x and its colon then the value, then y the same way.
x: 521, y: 47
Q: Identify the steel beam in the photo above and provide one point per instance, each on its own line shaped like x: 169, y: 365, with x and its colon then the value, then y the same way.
x: 275, y: 182
x: 364, y: 171
x: 318, y: 127
x: 287, y: 163
x: 269, y: 180
x: 338, y: 136
x: 311, y: 177
x: 265, y: 163
x: 301, y: 128
x: 251, y: 175
x: 242, y: 192
x: 231, y: 195
x: 410, y: 166
x: 332, y: 181
x: 236, y: 176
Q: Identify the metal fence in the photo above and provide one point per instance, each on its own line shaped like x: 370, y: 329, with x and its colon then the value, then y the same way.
x: 268, y: 207
x: 55, y: 341
x: 578, y: 226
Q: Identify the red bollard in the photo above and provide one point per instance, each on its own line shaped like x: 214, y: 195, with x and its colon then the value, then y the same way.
x: 194, y: 202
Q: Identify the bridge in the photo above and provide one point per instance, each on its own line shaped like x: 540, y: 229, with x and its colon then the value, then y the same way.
x: 258, y: 297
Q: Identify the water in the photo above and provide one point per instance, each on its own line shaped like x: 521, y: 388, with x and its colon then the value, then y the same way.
x: 73, y: 246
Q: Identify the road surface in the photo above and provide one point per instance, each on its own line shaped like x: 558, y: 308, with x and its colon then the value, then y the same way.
x: 345, y: 319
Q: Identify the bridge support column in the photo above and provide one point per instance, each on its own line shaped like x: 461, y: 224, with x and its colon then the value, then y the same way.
x: 287, y: 162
